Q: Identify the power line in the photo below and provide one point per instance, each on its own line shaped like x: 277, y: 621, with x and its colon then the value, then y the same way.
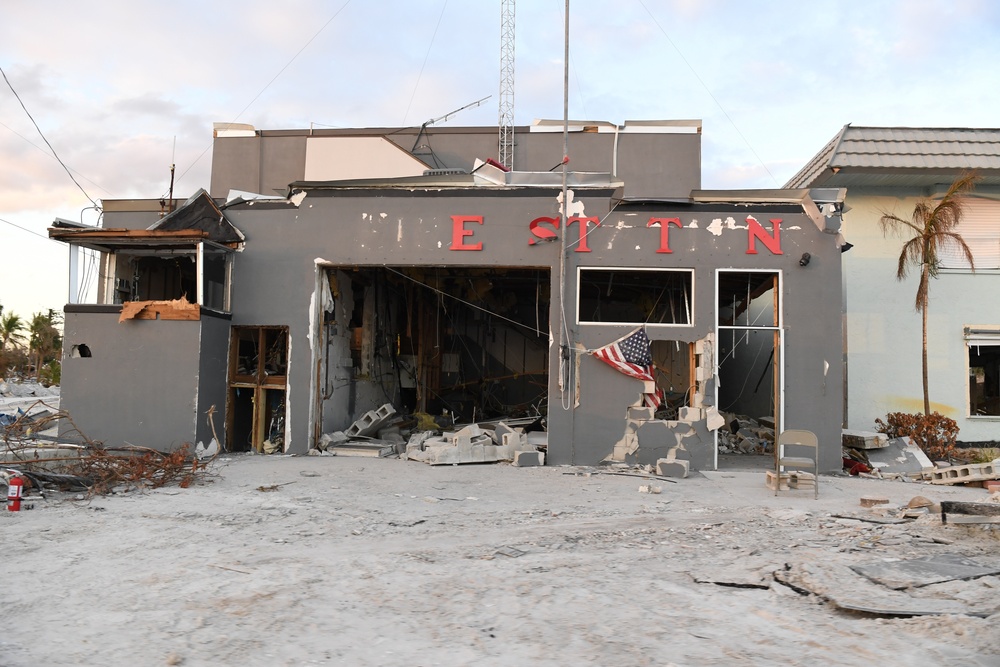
x: 25, y: 229
x: 45, y: 139
x: 710, y: 94
x: 48, y: 155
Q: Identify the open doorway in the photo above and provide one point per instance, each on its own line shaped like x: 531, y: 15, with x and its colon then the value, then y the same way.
x: 258, y: 378
x: 749, y: 362
x: 454, y: 344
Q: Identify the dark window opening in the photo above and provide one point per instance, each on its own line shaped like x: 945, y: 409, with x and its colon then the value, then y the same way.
x: 165, y: 279
x: 984, y: 380
x: 635, y: 296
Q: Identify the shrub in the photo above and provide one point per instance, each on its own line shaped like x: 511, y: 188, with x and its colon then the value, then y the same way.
x: 934, y: 433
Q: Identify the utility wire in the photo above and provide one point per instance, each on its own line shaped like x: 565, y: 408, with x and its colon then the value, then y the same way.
x: 426, y: 56
x: 30, y: 231
x: 42, y: 135
x: 47, y: 154
x: 268, y: 85
x: 710, y: 94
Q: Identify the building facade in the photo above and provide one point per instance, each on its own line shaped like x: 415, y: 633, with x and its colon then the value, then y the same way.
x: 889, y: 170
x: 620, y: 306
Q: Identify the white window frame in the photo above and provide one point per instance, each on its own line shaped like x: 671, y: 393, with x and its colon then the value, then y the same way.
x: 634, y: 269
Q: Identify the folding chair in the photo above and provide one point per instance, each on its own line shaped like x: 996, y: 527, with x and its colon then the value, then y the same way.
x: 799, y: 438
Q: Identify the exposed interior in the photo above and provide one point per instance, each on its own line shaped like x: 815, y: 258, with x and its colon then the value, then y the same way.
x: 462, y: 344
x: 258, y: 370
x: 749, y: 345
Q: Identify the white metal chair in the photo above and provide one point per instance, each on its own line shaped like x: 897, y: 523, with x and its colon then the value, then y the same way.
x: 799, y: 438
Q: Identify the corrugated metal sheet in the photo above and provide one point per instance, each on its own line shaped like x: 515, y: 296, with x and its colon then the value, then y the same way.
x: 876, y: 149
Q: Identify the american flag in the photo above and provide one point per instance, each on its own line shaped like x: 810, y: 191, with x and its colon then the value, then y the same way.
x: 630, y: 355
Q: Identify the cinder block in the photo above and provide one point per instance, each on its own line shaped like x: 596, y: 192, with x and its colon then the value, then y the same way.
x: 688, y: 414
x: 672, y: 468
x: 772, y: 478
x: 529, y: 458
x: 640, y: 413
x: 385, y: 411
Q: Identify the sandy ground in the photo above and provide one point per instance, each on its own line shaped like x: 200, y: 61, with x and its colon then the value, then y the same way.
x: 354, y: 561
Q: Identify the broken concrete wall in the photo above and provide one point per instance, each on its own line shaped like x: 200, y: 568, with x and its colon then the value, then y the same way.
x: 141, y: 384
x: 809, y: 300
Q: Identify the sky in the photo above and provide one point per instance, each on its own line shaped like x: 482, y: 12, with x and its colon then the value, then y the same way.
x: 121, y: 90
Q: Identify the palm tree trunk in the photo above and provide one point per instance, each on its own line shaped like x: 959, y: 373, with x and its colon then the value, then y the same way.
x: 923, y: 312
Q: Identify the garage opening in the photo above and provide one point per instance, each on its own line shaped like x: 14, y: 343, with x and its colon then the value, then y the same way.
x: 456, y: 344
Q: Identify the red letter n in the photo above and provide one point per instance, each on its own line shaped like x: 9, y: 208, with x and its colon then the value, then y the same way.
x: 755, y: 231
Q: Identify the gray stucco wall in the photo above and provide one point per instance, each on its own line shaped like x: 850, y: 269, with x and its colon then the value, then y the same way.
x: 141, y: 384
x: 275, y: 276
x: 213, y: 369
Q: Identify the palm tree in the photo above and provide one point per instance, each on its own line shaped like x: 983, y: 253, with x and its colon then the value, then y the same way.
x: 45, y: 342
x: 933, y: 224
x: 11, y: 326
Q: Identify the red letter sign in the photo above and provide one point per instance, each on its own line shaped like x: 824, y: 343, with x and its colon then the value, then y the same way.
x: 543, y: 233
x: 583, y: 230
x: 755, y: 231
x: 664, y: 224
x: 459, y: 232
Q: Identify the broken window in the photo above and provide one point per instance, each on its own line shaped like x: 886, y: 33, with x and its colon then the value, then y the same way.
x: 199, y: 274
x: 984, y: 372
x: 673, y: 364
x: 635, y: 296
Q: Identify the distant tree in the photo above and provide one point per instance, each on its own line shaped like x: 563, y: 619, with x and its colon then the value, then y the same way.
x: 11, y: 326
x: 931, y: 224
x: 46, y: 341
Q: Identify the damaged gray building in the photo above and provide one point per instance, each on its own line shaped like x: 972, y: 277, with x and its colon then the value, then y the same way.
x: 327, y: 273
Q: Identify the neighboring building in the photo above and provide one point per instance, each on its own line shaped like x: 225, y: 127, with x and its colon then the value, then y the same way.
x: 888, y: 170
x: 397, y: 266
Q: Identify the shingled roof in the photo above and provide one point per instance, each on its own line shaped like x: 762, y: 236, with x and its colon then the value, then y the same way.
x: 902, y: 156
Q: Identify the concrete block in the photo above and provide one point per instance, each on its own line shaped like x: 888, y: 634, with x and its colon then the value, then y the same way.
x: 500, y: 431
x: 537, y: 438
x: 643, y: 413
x: 872, y: 501
x: 529, y: 458
x: 771, y: 479
x: 863, y: 439
x: 688, y: 414
x: 672, y: 468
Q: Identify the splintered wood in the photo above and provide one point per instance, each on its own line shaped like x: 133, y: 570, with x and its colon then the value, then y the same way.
x: 177, y: 309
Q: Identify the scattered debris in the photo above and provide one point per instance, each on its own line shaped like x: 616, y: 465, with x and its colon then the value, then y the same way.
x: 872, y: 501
x: 917, y: 572
x: 510, y: 552
x: 746, y: 435
x: 970, y: 512
x: 973, y: 472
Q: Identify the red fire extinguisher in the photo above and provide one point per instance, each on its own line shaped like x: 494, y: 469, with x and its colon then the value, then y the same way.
x: 14, y: 489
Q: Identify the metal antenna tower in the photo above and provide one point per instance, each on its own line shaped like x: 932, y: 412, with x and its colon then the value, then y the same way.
x: 506, y: 149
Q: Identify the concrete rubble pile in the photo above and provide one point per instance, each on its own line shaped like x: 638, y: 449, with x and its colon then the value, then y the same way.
x: 378, y: 433
x: 746, y: 435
